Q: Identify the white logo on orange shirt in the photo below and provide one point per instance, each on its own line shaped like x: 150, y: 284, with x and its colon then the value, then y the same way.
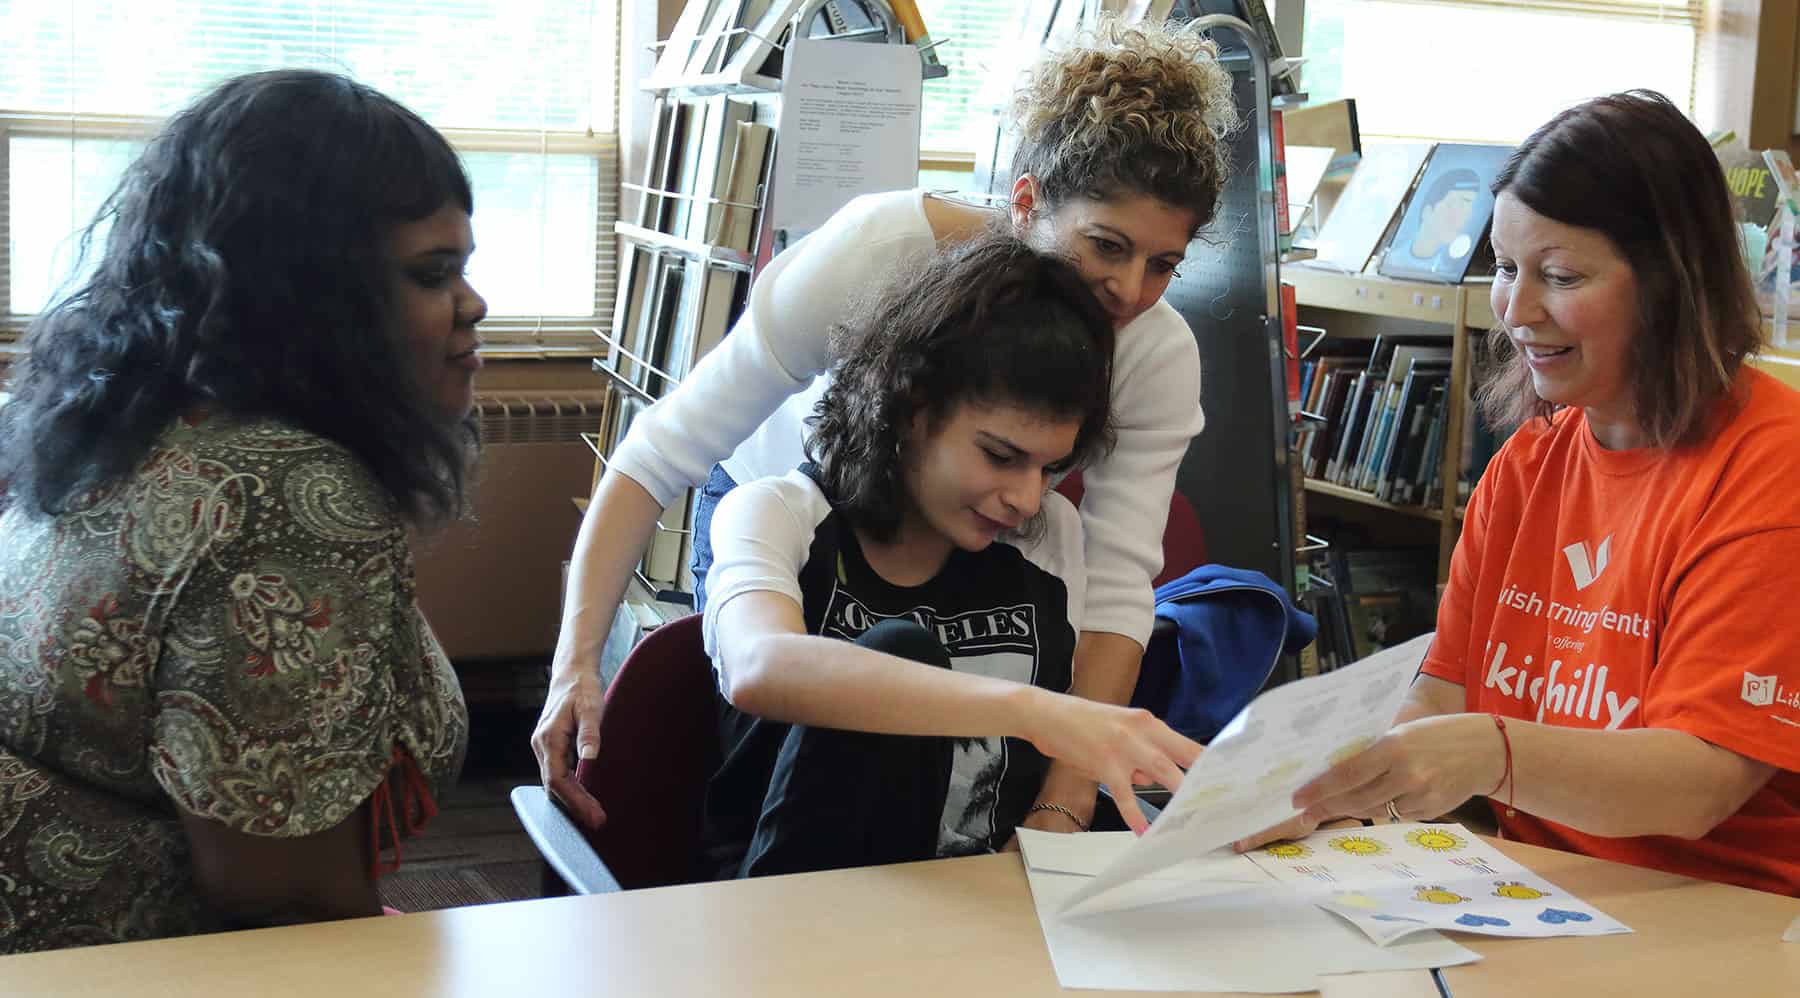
x: 1759, y: 691
x: 1766, y: 691
x: 1581, y: 693
x: 1588, y: 568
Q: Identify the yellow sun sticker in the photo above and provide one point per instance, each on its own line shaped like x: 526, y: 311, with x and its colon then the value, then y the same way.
x: 1352, y: 749
x: 1438, y: 895
x: 1288, y: 850
x: 1517, y: 891
x: 1358, y: 845
x: 1436, y: 839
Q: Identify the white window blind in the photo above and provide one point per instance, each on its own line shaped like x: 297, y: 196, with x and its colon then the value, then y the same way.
x: 978, y: 45
x: 1492, y: 70
x: 527, y: 92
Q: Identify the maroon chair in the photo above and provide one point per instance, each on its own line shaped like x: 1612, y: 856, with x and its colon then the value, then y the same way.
x: 659, y: 746
x: 1183, y: 539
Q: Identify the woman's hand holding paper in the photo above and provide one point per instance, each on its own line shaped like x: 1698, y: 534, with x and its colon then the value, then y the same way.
x: 1423, y: 768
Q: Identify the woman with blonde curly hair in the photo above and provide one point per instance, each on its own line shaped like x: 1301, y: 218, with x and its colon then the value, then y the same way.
x: 1120, y: 161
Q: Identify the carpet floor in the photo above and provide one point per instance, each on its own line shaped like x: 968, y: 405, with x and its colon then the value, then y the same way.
x: 475, y: 851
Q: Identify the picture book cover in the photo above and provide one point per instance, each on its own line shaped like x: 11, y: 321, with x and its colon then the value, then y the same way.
x: 1445, y: 220
x: 1752, y: 184
x: 1353, y: 228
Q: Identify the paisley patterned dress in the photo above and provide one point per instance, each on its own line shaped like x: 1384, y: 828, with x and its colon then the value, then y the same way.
x: 231, y: 631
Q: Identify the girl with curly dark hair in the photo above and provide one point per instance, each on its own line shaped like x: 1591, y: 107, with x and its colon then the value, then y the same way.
x: 1120, y: 160
x: 918, y: 578
x: 215, y: 683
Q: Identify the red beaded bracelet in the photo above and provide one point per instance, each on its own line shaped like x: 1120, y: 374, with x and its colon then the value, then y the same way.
x: 1505, y: 776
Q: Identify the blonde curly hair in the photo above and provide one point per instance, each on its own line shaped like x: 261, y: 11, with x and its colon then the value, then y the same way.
x: 1127, y: 109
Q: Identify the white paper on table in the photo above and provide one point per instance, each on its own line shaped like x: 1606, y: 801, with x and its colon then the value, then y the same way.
x: 1792, y: 935
x: 849, y: 125
x: 1245, y: 780
x: 1394, y: 880
x: 1203, y: 934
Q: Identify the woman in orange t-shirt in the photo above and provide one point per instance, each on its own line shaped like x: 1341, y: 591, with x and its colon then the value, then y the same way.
x: 1615, y: 666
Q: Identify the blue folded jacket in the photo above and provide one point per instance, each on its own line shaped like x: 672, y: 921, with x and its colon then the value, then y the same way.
x: 1230, y: 627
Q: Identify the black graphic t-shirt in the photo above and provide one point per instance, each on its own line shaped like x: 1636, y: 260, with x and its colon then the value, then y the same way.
x: 1008, y: 611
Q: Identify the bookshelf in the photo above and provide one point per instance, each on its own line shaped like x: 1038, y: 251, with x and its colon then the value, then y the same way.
x: 695, y: 225
x: 1456, y: 310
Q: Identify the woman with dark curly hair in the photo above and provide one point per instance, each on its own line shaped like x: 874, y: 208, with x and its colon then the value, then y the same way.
x: 217, y: 696
x: 918, y: 578
x: 1120, y: 162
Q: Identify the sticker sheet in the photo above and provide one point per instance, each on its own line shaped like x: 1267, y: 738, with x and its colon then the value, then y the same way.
x: 1394, y: 880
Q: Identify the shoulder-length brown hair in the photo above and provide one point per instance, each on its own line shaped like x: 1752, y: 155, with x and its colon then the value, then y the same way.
x: 988, y: 321
x: 1631, y: 166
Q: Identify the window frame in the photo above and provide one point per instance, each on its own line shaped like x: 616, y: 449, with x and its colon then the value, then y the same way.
x: 507, y: 335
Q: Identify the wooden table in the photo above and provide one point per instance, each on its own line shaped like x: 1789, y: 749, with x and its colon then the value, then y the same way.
x: 1691, y: 938
x: 961, y: 927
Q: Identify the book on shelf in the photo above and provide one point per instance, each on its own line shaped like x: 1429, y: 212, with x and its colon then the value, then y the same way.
x: 1445, y: 220
x: 669, y: 147
x: 1369, y: 597
x: 1356, y: 417
x: 1410, y: 414
x: 650, y: 201
x: 1421, y: 486
x: 737, y: 225
x: 685, y: 177
x: 1481, y: 439
x: 668, y: 318
x: 712, y: 173
x: 1389, y: 593
x: 1754, y: 191
x: 1362, y: 214
x: 637, y: 278
x: 1373, y: 404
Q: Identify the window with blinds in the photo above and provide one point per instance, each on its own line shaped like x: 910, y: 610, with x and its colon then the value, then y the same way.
x: 1492, y: 70
x: 525, y: 91
x: 977, y: 43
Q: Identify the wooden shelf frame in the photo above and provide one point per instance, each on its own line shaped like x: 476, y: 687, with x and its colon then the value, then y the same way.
x: 1324, y: 488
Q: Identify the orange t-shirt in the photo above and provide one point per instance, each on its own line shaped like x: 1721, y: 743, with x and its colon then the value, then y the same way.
x: 1644, y: 588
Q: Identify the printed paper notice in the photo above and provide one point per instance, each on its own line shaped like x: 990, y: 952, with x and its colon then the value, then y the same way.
x: 849, y: 125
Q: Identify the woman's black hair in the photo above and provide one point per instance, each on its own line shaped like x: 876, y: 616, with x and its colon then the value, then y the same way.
x: 990, y: 321
x: 242, y: 273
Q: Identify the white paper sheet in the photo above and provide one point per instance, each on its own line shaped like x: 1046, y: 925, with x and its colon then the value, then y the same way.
x: 1393, y: 880
x: 849, y: 125
x: 1245, y: 781
x: 1199, y: 935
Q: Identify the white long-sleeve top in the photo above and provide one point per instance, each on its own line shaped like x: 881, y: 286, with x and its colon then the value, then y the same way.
x: 745, y: 404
